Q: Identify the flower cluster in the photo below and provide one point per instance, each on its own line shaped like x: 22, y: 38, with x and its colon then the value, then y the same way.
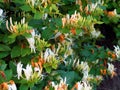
x: 77, y: 22
x: 29, y: 74
x: 8, y: 85
x: 73, y: 20
x: 82, y: 85
x: 18, y: 28
x: 117, y: 51
x: 61, y: 86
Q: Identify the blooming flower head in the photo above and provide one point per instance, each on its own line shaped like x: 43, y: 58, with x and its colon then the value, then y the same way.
x: 48, y: 54
x: 61, y: 86
x: 12, y: 85
x: 117, y: 51
x: 111, y: 69
x: 28, y: 72
x: 82, y: 85
x: 8, y: 85
x: 95, y: 34
x: 19, y: 70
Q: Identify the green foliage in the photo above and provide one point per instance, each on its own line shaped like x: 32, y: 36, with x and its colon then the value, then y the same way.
x: 68, y: 29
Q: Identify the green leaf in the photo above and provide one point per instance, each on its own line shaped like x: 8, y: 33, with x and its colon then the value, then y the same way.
x: 25, y: 8
x: 24, y: 87
x: 85, y: 53
x: 27, y: 35
x: 16, y: 51
x: 3, y: 54
x: 48, y: 69
x: 12, y: 65
x: 4, y: 47
x: 2, y: 65
x: 8, y: 74
x: 71, y: 76
x: 25, y: 51
x: 38, y: 15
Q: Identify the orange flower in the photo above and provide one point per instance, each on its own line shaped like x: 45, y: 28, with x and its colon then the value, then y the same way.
x: 64, y: 20
x: 40, y: 62
x: 4, y: 86
x: 61, y: 38
x: 75, y: 86
x: 109, y: 53
x: 113, y: 74
x: 110, y: 13
x: 103, y: 71
x: 113, y: 56
x: 11, y: 82
x: 73, y: 31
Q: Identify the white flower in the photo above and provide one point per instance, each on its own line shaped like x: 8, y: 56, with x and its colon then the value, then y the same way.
x: 48, y: 53
x: 19, y: 70
x: 31, y: 41
x: 61, y: 86
x: 12, y: 87
x: 45, y: 16
x: 95, y: 34
x: 1, y: 16
x: 117, y: 51
x: 111, y: 68
x: 80, y: 86
x: 85, y: 69
x: 86, y: 86
x: 1, y: 12
x: 43, y: 28
x: 28, y: 72
x: 83, y: 85
x: 84, y: 66
x: 115, y: 12
x: 37, y: 69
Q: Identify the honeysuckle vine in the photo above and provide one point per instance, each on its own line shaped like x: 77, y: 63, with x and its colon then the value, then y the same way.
x: 51, y: 44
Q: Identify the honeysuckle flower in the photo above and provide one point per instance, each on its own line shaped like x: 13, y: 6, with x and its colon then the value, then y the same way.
x: 12, y: 85
x: 115, y: 12
x: 28, y: 72
x: 4, y: 86
x: 86, y: 86
x: 19, y: 70
x: 72, y: 20
x: 48, y: 53
x: 61, y: 86
x: 117, y: 51
x: 1, y: 12
x: 85, y: 70
x: 82, y: 85
x: 95, y: 34
x: 31, y: 40
x: 8, y: 85
x: 84, y: 66
x: 1, y: 16
x: 111, y: 69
